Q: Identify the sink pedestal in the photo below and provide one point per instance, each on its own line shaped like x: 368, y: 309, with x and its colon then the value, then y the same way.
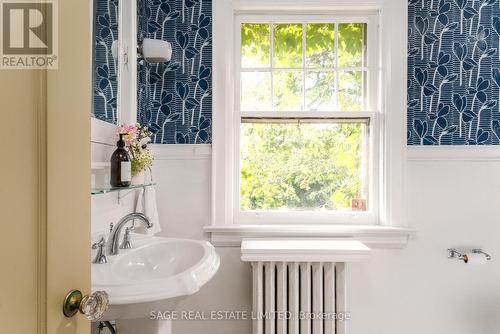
x: 144, y: 326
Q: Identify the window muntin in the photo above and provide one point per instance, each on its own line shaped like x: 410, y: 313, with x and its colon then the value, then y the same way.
x: 307, y: 82
x: 293, y: 59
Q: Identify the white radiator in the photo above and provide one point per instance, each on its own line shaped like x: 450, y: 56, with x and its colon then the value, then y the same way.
x: 288, y: 297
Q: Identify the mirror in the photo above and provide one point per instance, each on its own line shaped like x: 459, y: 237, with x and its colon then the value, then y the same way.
x: 106, y: 62
x: 114, y: 61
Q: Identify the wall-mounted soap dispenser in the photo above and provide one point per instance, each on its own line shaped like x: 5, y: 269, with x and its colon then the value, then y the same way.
x: 155, y: 51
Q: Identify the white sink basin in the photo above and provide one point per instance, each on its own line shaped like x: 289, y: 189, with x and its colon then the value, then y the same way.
x: 153, y: 275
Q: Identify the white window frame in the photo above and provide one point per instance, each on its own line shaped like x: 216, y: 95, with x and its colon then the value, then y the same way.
x: 371, y: 113
x: 391, y: 121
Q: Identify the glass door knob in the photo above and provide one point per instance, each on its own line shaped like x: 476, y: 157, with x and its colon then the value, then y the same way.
x: 91, y: 306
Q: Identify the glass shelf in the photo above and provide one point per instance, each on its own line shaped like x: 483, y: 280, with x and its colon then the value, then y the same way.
x: 97, y: 191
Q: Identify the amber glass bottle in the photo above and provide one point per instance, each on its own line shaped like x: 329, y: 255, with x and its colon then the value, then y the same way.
x: 120, y: 165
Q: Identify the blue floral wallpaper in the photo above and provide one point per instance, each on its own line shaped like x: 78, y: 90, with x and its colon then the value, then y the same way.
x: 453, y: 72
x: 105, y: 66
x: 176, y: 98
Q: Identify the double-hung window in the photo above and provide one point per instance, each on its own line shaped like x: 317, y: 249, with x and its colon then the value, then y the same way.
x: 306, y: 105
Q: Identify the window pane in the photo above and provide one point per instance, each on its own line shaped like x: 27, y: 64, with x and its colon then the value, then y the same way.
x: 320, y: 91
x: 320, y: 45
x: 255, y: 91
x: 255, y: 45
x: 287, y: 90
x: 288, y: 45
x: 302, y: 166
x: 352, y: 44
x: 351, y: 91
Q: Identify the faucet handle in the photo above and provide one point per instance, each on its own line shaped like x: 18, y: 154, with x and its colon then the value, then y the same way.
x: 100, y: 243
x: 100, y: 257
x: 127, y: 243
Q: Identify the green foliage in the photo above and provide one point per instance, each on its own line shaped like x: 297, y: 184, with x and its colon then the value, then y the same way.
x: 288, y: 45
x: 319, y: 50
x: 287, y: 88
x: 255, y: 45
x: 319, y: 93
x: 320, y: 45
x: 300, y: 166
x: 350, y: 91
x: 351, y: 43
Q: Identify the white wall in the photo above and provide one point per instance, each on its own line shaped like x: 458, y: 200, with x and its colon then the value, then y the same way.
x: 414, y: 290
x: 105, y: 207
x: 183, y: 189
x: 418, y: 290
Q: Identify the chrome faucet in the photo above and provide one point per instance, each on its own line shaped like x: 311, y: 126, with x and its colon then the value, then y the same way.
x: 114, y: 236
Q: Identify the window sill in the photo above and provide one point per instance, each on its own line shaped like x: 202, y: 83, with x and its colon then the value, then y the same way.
x: 372, y: 236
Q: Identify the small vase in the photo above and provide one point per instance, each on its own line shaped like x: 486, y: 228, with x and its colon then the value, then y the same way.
x: 138, y: 178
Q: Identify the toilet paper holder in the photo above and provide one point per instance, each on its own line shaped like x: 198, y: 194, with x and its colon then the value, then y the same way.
x: 453, y: 253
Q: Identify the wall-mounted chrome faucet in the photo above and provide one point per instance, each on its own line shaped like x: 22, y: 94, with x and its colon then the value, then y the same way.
x: 114, y: 236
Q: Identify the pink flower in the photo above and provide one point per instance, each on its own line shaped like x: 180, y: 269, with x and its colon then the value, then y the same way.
x: 131, y: 131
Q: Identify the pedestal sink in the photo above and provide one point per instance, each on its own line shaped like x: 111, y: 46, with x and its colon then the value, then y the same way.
x: 153, y: 276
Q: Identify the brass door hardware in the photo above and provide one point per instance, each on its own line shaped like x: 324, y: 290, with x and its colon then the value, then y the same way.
x: 92, y: 306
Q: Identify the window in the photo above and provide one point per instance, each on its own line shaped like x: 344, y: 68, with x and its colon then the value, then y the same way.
x: 306, y: 143
x: 379, y: 125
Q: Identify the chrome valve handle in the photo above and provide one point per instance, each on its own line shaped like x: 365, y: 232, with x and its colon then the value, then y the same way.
x: 126, y: 242
x: 100, y: 257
